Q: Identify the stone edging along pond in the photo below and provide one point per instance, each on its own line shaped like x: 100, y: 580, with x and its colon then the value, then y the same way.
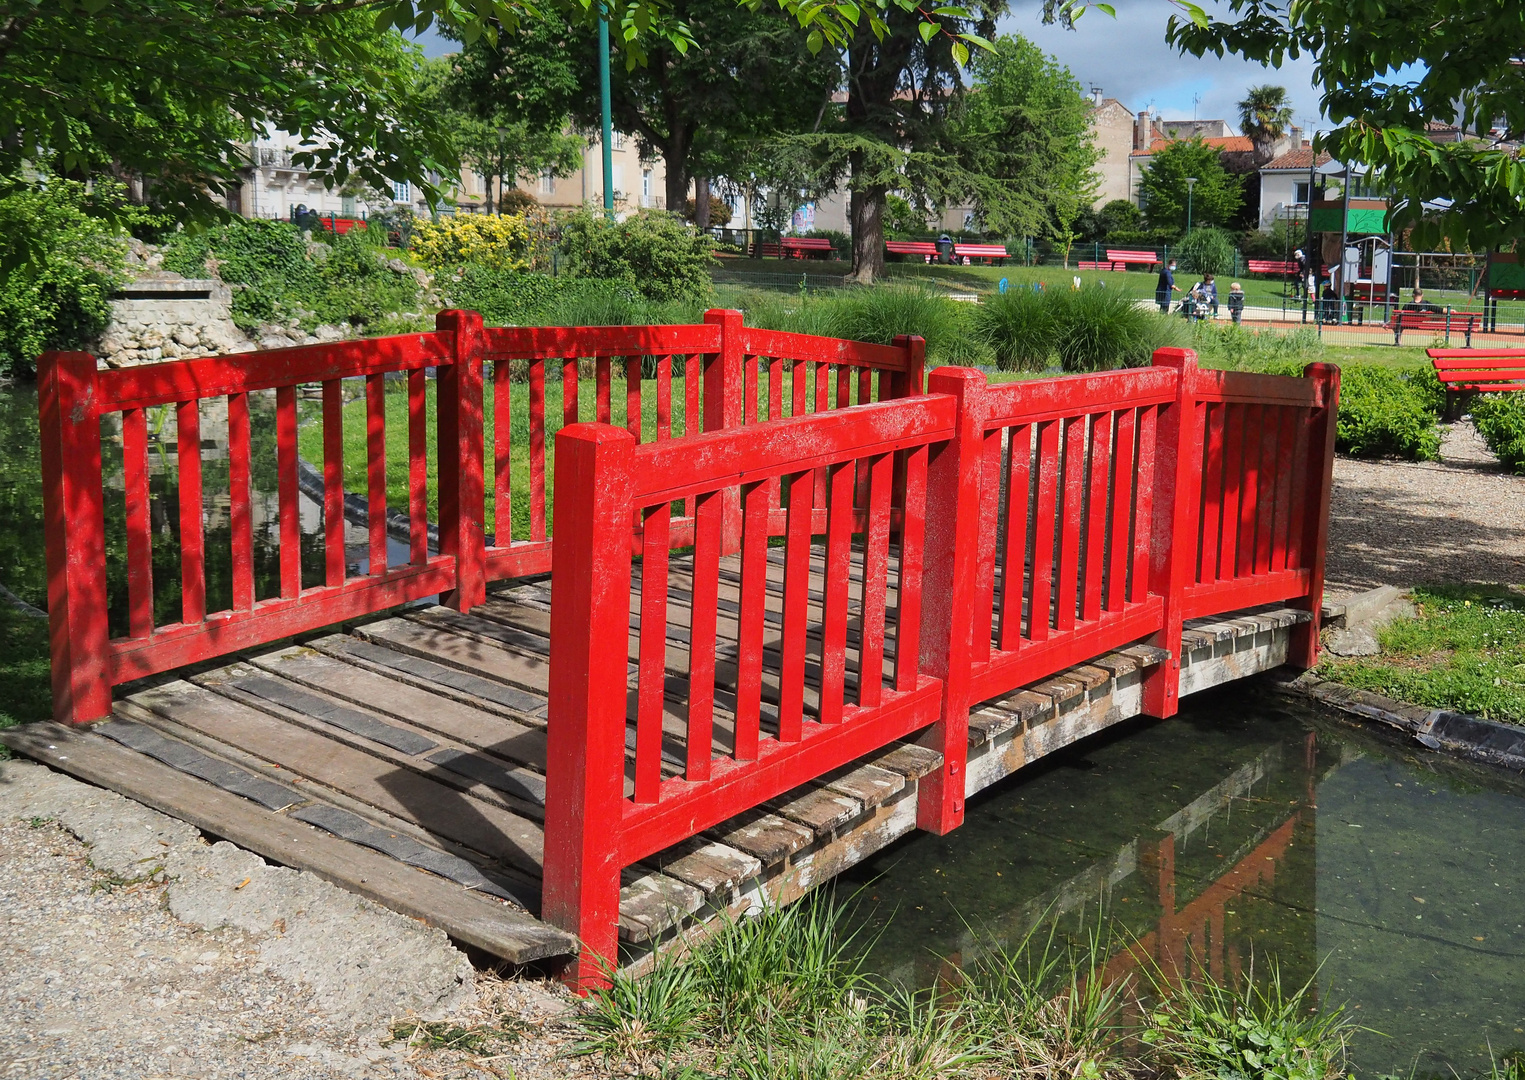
x: 1438, y: 729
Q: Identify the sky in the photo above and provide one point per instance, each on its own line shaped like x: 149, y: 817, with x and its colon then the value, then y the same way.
x: 1127, y: 57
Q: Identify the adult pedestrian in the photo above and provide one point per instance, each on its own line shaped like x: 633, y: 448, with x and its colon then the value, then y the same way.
x: 1165, y: 286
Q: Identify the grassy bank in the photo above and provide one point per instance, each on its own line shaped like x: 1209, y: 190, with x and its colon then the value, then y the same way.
x: 785, y: 995
x: 24, y: 691
x: 1463, y: 650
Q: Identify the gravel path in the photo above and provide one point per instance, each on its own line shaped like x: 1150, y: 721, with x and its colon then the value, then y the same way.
x: 1406, y: 523
x: 134, y: 948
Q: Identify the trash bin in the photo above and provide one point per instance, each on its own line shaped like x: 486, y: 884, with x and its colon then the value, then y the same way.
x: 945, y: 249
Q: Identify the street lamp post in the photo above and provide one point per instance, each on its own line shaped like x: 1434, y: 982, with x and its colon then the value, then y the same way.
x: 1191, y: 182
x: 606, y: 110
x: 502, y: 135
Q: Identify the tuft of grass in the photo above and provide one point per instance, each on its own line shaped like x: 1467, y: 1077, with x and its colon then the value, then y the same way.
x: 1464, y: 650
x: 445, y: 1035
x: 1087, y: 329
x: 881, y: 313
x: 644, y: 1017
x: 1204, y: 1029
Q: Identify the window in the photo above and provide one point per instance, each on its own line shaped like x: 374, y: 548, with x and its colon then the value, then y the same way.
x: 402, y: 191
x: 347, y: 205
x: 1300, y: 193
x: 617, y: 142
x: 547, y: 182
x: 645, y: 187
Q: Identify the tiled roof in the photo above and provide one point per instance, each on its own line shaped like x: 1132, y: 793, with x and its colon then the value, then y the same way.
x: 1227, y: 144
x: 1297, y: 159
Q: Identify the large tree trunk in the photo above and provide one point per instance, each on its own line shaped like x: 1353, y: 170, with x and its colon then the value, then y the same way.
x: 702, y: 203
x: 868, y: 234
x: 675, y: 150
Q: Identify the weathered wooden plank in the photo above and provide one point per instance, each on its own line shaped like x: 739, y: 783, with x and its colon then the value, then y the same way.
x: 909, y: 760
x: 391, y: 787
x: 438, y: 679
x: 651, y: 903
x: 817, y: 808
x: 476, y: 920
x: 869, y: 784
x: 708, y: 865
x: 768, y: 837
x: 442, y: 646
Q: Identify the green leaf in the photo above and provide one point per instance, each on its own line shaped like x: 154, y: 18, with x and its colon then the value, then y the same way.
x: 928, y: 31
x: 960, y: 53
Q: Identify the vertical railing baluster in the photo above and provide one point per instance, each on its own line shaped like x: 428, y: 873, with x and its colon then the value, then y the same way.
x: 1270, y: 470
x: 791, y: 706
x: 537, y: 450
x: 839, y: 530
x: 140, y: 544
x: 193, y: 579
x: 1212, y: 494
x: 750, y: 622
x: 376, y: 470
x: 1069, y: 539
x: 1249, y: 492
x: 1233, y: 475
x: 333, y: 484
x: 1039, y: 617
x: 502, y: 454
x: 1122, y: 510
x: 287, y: 491
x: 418, y: 468
x: 603, y: 390
x: 1096, y: 515
x: 240, y: 518
x: 1143, y: 519
x: 913, y: 477
x: 1019, y: 456
x: 570, y: 405
x: 651, y: 680
x: 880, y: 473
x: 703, y: 611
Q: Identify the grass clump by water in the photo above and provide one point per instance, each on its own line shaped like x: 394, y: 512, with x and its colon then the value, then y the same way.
x: 784, y: 996
x: 1464, y: 649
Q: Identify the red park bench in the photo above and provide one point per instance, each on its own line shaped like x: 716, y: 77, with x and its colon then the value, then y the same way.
x: 1478, y: 369
x: 988, y: 252
x: 807, y: 247
x: 1148, y: 258
x: 1104, y: 265
x: 925, y: 248
x: 764, y: 249
x: 1444, y: 321
x: 1272, y: 267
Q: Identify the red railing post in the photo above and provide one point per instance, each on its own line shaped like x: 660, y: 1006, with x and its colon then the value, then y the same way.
x: 460, y: 441
x: 948, y: 588
x: 724, y: 393
x: 910, y: 382
x: 1303, y: 650
x: 75, y: 536
x: 1173, y: 532
x: 585, y: 744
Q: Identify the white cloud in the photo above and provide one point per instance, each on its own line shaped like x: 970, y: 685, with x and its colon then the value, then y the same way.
x: 1128, y: 58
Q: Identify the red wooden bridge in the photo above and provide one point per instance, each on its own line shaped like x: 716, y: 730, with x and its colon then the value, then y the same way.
x: 749, y: 644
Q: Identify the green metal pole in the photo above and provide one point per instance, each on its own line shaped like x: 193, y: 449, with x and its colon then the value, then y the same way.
x: 607, y: 110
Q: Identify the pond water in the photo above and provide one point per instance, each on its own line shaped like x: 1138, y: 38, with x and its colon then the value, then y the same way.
x: 1247, y: 829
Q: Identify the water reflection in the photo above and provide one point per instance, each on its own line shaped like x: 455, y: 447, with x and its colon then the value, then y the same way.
x: 1240, y: 832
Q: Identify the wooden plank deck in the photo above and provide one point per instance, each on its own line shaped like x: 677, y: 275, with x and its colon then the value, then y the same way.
x: 405, y: 759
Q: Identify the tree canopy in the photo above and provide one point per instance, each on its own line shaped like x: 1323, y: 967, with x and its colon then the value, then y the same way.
x: 1215, y: 198
x: 168, y: 90
x: 1386, y: 72
x: 1264, y: 116
x: 1024, y: 130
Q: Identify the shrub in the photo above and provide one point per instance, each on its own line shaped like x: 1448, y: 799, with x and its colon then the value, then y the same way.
x: 1229, y: 346
x: 652, y: 252
x: 883, y: 312
x: 841, y: 242
x: 283, y: 277
x: 499, y: 242
x: 1383, y: 412
x: 1206, y: 251
x: 518, y: 201
x: 504, y: 298
x: 1500, y: 419
x: 56, y: 298
x: 1089, y: 329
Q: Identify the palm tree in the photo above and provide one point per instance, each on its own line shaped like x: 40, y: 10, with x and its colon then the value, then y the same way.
x: 1264, y: 117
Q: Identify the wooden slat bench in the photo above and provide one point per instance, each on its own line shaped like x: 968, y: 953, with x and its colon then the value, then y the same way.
x: 1147, y: 258
x: 1085, y: 265
x: 1479, y: 369
x: 1272, y: 267
x: 766, y: 249
x: 1443, y: 321
x: 806, y: 247
x: 925, y: 248
x: 991, y: 253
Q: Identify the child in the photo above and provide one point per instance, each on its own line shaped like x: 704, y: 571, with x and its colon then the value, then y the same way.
x: 1235, y: 302
x: 1209, y: 294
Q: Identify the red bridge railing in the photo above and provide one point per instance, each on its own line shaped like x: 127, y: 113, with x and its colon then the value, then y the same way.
x: 938, y: 548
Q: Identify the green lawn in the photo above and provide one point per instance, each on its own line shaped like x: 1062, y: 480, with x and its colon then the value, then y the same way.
x: 1464, y: 650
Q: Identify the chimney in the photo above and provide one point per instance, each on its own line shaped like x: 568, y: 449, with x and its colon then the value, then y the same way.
x: 1141, y: 138
x: 1095, y: 95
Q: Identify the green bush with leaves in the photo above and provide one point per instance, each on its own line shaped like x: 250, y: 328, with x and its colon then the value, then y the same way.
x: 504, y: 298
x: 1500, y: 419
x: 57, y: 297
x: 1386, y: 412
x: 280, y: 275
x: 1206, y: 251
x: 653, y: 252
x: 1088, y: 329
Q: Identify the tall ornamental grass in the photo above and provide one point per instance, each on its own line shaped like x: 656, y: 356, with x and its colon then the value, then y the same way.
x: 1089, y: 329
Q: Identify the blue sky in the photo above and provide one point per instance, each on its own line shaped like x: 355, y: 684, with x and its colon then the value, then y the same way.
x: 1128, y: 58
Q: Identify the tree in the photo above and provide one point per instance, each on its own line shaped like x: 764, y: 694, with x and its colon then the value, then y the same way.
x: 1264, y: 117
x: 698, y: 107
x: 1215, y: 198
x: 498, y: 146
x: 165, y: 94
x: 1460, y: 65
x: 1024, y: 133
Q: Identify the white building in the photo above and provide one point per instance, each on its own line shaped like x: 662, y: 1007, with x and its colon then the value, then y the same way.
x: 1285, y: 186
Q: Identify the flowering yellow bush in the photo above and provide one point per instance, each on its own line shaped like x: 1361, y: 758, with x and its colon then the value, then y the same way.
x: 500, y: 242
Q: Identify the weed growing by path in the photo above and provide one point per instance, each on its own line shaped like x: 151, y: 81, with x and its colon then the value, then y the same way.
x: 1463, y: 650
